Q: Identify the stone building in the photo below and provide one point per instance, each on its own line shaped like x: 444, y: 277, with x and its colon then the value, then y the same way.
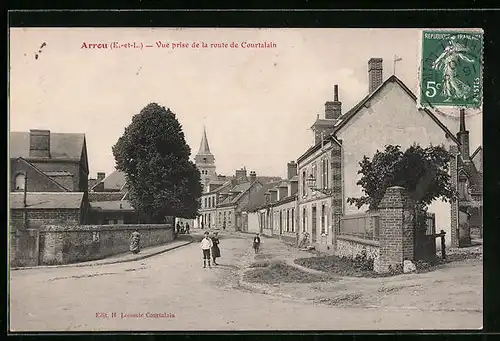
x: 278, y: 216
x: 328, y: 171
x: 51, y: 162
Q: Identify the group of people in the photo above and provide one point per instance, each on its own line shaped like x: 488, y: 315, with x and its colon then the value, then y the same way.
x: 210, y: 247
x: 181, y: 228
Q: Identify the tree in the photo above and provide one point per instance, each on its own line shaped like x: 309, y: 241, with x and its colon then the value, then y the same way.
x: 154, y: 156
x: 423, y: 172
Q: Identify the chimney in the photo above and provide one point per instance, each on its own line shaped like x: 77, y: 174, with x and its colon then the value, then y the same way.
x: 337, y: 105
x: 291, y: 169
x: 39, y: 143
x: 333, y: 109
x: 374, y: 74
x: 100, y: 176
x: 253, y: 176
x: 241, y: 174
x: 463, y: 138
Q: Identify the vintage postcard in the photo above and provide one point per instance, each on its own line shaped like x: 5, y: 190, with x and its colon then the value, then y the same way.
x: 194, y: 179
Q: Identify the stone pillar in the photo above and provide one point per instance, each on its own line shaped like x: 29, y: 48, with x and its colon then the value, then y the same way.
x: 454, y: 235
x: 397, y: 223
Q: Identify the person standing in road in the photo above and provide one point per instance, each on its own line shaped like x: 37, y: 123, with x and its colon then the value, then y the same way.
x: 215, y: 247
x: 206, y: 245
x: 187, y: 228
x: 256, y: 243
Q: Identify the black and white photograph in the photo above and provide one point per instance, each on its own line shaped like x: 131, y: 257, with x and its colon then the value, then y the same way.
x: 245, y: 179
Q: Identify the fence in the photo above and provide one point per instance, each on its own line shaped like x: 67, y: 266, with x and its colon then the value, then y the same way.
x: 364, y: 226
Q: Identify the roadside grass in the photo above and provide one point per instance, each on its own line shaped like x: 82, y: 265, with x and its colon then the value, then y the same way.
x: 276, y: 272
x: 363, y: 267
x: 337, y: 265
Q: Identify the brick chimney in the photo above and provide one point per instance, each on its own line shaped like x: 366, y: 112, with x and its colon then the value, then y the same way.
x: 241, y: 174
x: 333, y: 110
x: 100, y: 176
x: 463, y: 137
x: 291, y: 169
x: 39, y: 143
x: 375, y: 74
x: 253, y: 176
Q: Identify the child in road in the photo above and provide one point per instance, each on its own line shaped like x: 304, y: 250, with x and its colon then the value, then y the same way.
x: 206, y: 244
x: 256, y: 243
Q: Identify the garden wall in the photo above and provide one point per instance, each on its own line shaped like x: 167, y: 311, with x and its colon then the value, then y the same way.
x: 60, y: 244
x: 351, y: 247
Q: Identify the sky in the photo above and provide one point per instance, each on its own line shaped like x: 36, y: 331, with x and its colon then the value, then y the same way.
x: 257, y: 105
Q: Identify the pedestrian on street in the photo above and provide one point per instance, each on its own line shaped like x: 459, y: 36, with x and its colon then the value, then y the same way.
x: 182, y: 228
x: 178, y: 227
x: 215, y: 247
x: 206, y: 244
x: 187, y: 228
x: 135, y: 239
x: 256, y: 243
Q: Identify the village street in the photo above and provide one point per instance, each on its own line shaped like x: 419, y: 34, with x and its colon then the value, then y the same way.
x: 193, y: 298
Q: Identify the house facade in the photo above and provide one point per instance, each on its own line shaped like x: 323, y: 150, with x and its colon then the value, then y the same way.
x: 388, y: 115
x: 278, y: 216
x: 48, y: 162
x: 328, y: 170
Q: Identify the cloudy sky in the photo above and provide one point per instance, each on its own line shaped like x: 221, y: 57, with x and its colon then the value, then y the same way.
x: 256, y: 104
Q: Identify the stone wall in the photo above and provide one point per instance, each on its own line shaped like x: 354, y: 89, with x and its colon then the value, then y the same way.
x: 38, y: 217
x: 63, y: 244
x: 351, y: 247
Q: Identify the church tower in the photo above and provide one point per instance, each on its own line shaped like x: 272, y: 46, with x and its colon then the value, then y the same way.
x: 205, y: 161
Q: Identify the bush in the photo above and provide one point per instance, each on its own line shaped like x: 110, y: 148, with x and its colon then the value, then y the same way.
x: 363, y: 262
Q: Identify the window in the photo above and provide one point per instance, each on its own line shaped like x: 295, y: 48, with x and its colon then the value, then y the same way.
x: 304, y: 219
x: 287, y: 220
x: 293, y: 219
x: 324, y: 173
x: 315, y: 171
x: 304, y: 183
x: 205, y: 202
x: 323, y: 219
x: 20, y: 180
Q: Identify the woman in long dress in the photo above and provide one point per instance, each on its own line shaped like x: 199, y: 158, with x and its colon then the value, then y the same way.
x: 215, y: 247
x: 446, y: 63
x: 135, y: 239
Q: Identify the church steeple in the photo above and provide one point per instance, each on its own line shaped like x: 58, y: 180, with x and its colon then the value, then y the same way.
x: 204, y: 147
x: 205, y: 161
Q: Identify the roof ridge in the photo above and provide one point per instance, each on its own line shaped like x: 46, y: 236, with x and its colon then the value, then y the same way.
x: 476, y: 151
x: 392, y: 78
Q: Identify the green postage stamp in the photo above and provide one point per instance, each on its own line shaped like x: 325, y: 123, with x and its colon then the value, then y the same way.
x: 451, y: 69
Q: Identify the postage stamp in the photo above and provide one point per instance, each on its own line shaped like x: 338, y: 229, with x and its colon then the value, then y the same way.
x: 451, y: 69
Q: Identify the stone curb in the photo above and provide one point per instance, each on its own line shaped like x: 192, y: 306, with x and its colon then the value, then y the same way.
x: 80, y: 265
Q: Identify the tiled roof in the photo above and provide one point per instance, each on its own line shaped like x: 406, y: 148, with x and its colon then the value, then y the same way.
x: 39, y: 171
x: 61, y: 173
x: 63, y: 146
x: 47, y: 200
x: 116, y: 205
x: 105, y: 196
x: 259, y: 200
x: 114, y: 181
x: 475, y: 177
x: 348, y: 115
x: 241, y: 187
